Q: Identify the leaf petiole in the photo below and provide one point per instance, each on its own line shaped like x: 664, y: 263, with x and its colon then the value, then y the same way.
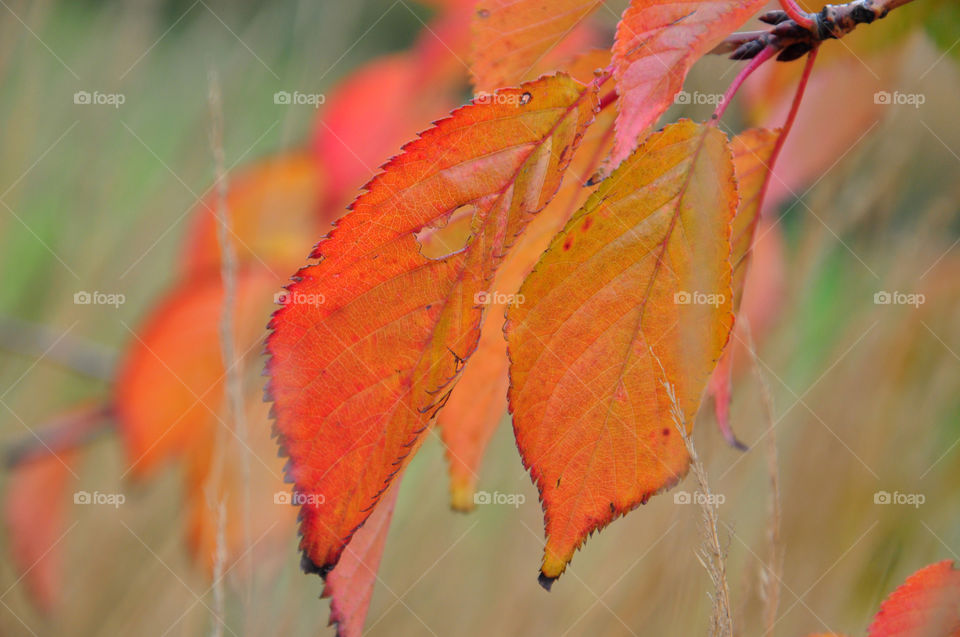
x: 797, y: 14
x: 755, y: 62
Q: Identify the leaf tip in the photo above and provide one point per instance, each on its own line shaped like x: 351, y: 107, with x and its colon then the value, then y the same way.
x: 310, y: 567
x: 461, y: 495
x: 546, y: 581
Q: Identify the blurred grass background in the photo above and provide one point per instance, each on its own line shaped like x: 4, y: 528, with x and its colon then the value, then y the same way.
x: 867, y: 397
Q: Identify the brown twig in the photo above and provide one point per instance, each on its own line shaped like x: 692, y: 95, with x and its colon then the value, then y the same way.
x: 53, y: 346
x: 794, y: 40
x: 68, y: 430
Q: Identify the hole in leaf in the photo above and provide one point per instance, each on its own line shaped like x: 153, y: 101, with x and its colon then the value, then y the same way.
x: 448, y: 235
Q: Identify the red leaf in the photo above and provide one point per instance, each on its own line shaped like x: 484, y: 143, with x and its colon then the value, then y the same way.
x: 369, y: 116
x: 926, y: 605
x: 169, y: 402
x: 35, y: 511
x: 169, y: 385
x: 350, y: 584
x: 657, y: 42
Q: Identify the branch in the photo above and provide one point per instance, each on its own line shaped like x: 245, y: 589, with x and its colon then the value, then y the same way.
x: 69, y: 430
x: 794, y: 40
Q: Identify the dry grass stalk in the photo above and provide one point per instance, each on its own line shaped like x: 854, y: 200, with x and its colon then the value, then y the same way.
x: 772, y: 572
x: 710, y: 553
x: 219, y: 558
x: 232, y: 365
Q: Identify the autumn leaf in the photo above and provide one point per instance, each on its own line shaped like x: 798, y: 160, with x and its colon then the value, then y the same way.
x: 356, y: 379
x: 752, y: 150
x: 633, y: 294
x: 169, y: 399
x: 656, y: 44
x: 512, y: 36
x: 478, y: 402
x: 169, y: 384
x: 35, y: 512
x: 926, y: 605
x: 274, y: 206
x: 350, y: 584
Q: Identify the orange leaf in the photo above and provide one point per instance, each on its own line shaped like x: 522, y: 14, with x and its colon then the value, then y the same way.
x: 926, y: 605
x: 479, y: 401
x: 169, y: 402
x: 35, y: 511
x: 751, y: 164
x: 476, y: 406
x: 605, y: 324
x: 169, y: 386
x: 274, y: 209
x: 657, y: 42
x: 350, y: 584
x: 511, y: 36
x: 356, y: 379
x: 751, y: 160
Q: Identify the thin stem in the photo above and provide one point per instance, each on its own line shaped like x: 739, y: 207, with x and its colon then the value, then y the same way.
x: 607, y: 100
x: 761, y: 57
x: 797, y: 14
x: 233, y: 385
x: 64, y: 432
x: 787, y: 125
